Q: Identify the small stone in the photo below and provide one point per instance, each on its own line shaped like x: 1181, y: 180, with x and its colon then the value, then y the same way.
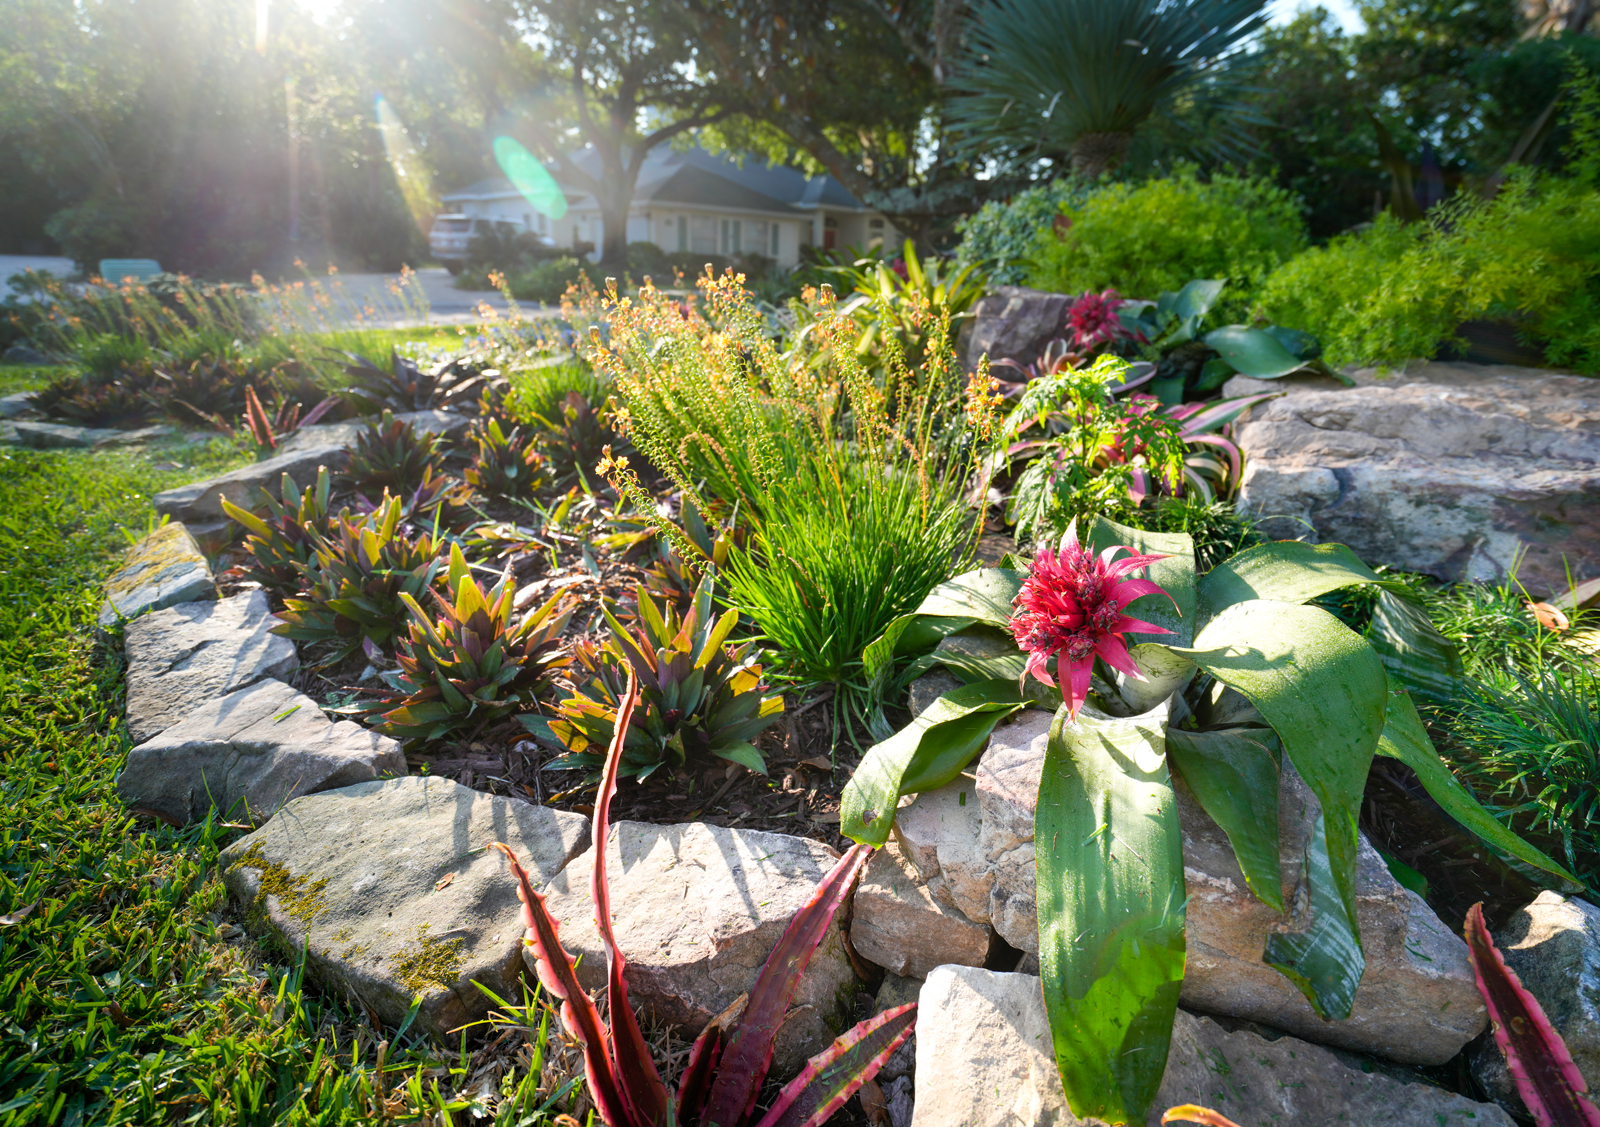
x: 900, y: 925
x: 938, y: 832
x: 57, y: 436
x: 390, y: 885
x: 697, y: 910
x: 183, y: 657
x: 1418, y: 1002
x: 1553, y: 945
x: 133, y: 437
x: 162, y: 570
x: 894, y: 991
x: 202, y: 501
x: 246, y: 754
x: 994, y: 1027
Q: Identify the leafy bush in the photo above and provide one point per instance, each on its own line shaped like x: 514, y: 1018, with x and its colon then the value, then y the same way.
x: 1145, y: 238
x: 354, y: 582
x: 547, y: 281
x: 1000, y: 235
x: 700, y: 697
x: 468, y: 665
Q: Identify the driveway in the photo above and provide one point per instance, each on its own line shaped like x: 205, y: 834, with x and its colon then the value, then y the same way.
x: 447, y: 305
x: 16, y: 263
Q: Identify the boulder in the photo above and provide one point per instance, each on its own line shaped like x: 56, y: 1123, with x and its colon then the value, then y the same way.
x: 449, y: 424
x: 57, y: 436
x: 23, y: 354
x: 161, y: 570
x: 938, y: 832
x: 1449, y: 469
x: 899, y: 923
x: 183, y: 657
x: 202, y: 501
x: 1015, y: 323
x: 995, y: 1026
x: 17, y: 405
x: 389, y: 890
x: 1417, y: 1003
x: 1553, y: 945
x: 246, y: 754
x: 930, y: 687
x: 697, y: 910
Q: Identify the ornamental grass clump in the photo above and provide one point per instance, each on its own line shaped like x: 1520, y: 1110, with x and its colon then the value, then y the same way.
x: 357, y: 583
x: 701, y: 697
x: 728, y: 1062
x: 467, y: 665
x: 1219, y: 678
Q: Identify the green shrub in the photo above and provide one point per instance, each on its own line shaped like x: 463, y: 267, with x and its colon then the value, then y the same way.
x: 1145, y: 238
x: 1002, y: 232
x: 1394, y: 292
x: 548, y: 281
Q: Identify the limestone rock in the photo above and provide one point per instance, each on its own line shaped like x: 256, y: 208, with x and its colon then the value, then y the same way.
x: 449, y: 424
x: 893, y: 991
x: 930, y: 687
x: 248, y: 753
x: 201, y: 501
x: 389, y: 885
x: 901, y: 925
x: 56, y: 436
x: 995, y: 1025
x: 17, y: 405
x: 183, y: 657
x: 1417, y: 1002
x: 1449, y: 469
x: 938, y: 832
x: 162, y: 570
x: 1015, y: 323
x: 697, y: 910
x: 1553, y: 945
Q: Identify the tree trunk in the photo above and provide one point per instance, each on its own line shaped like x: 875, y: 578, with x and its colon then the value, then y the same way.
x: 1096, y: 153
x: 617, y: 181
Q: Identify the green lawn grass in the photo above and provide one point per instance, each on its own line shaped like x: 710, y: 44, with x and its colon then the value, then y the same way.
x: 126, y: 995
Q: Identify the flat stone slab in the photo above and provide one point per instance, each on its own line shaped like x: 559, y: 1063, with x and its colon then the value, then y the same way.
x: 161, y: 570
x: 389, y: 889
x: 183, y: 657
x: 1553, y: 945
x: 248, y: 753
x: 57, y: 436
x: 17, y: 404
x: 900, y: 921
x: 985, y: 1059
x: 697, y: 911
x: 1448, y: 469
x: 202, y: 501
x: 448, y: 424
x: 1417, y: 1002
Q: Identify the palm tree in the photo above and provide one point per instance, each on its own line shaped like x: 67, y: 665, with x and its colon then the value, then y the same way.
x: 1077, y: 78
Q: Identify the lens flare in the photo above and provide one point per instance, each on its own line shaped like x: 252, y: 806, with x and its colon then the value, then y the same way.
x: 410, y: 170
x: 530, y: 178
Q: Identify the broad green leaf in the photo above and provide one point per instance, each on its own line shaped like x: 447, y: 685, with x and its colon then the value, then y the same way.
x: 1286, y: 570
x: 1404, y: 738
x: 745, y: 754
x: 909, y: 634
x: 1303, y: 345
x: 1323, y: 690
x: 982, y: 653
x: 924, y: 755
x: 1108, y: 857
x: 1175, y: 575
x: 1417, y: 656
x: 1233, y: 774
x: 1165, y: 672
x: 983, y: 595
x: 1255, y: 353
x: 1324, y: 961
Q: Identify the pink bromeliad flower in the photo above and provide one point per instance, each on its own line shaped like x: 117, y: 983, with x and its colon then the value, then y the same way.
x: 1070, y: 607
x: 1093, y: 319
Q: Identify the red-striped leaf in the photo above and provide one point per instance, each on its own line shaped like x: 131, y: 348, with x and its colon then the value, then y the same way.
x: 748, y: 1054
x: 833, y: 1075
x: 640, y: 1083
x: 1546, y: 1077
x: 1189, y: 1113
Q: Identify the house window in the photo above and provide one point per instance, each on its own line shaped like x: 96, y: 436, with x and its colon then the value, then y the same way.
x: 875, y: 224
x: 683, y: 233
x: 774, y: 229
x: 755, y: 235
x: 703, y: 235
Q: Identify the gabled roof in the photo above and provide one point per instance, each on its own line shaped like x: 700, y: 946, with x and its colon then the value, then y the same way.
x: 695, y: 178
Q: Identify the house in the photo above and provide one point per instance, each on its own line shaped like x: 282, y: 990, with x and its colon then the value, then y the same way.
x: 703, y: 203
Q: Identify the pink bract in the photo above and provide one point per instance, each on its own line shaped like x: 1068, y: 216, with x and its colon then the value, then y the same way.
x: 1071, y: 608
x: 1093, y: 318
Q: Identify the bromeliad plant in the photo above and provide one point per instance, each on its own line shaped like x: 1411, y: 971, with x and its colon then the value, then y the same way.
x: 282, y: 544
x: 392, y: 454
x: 468, y: 665
x: 1217, y: 678
x: 729, y: 1060
x: 701, y: 697
x: 355, y: 583
x: 504, y: 465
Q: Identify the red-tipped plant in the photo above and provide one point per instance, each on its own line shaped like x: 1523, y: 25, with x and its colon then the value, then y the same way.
x: 730, y: 1059
x: 1541, y: 1067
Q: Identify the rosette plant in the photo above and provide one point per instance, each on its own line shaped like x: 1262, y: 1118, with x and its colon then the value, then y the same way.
x: 1226, y: 680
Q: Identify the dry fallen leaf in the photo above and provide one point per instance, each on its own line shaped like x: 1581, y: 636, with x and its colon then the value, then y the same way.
x: 1549, y: 617
x: 19, y: 915
x: 444, y: 880
x: 820, y: 762
x: 873, y: 1103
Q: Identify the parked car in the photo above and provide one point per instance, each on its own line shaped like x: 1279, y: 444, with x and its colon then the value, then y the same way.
x: 452, y: 236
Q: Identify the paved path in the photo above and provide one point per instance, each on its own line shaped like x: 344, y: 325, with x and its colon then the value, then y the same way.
x: 447, y: 305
